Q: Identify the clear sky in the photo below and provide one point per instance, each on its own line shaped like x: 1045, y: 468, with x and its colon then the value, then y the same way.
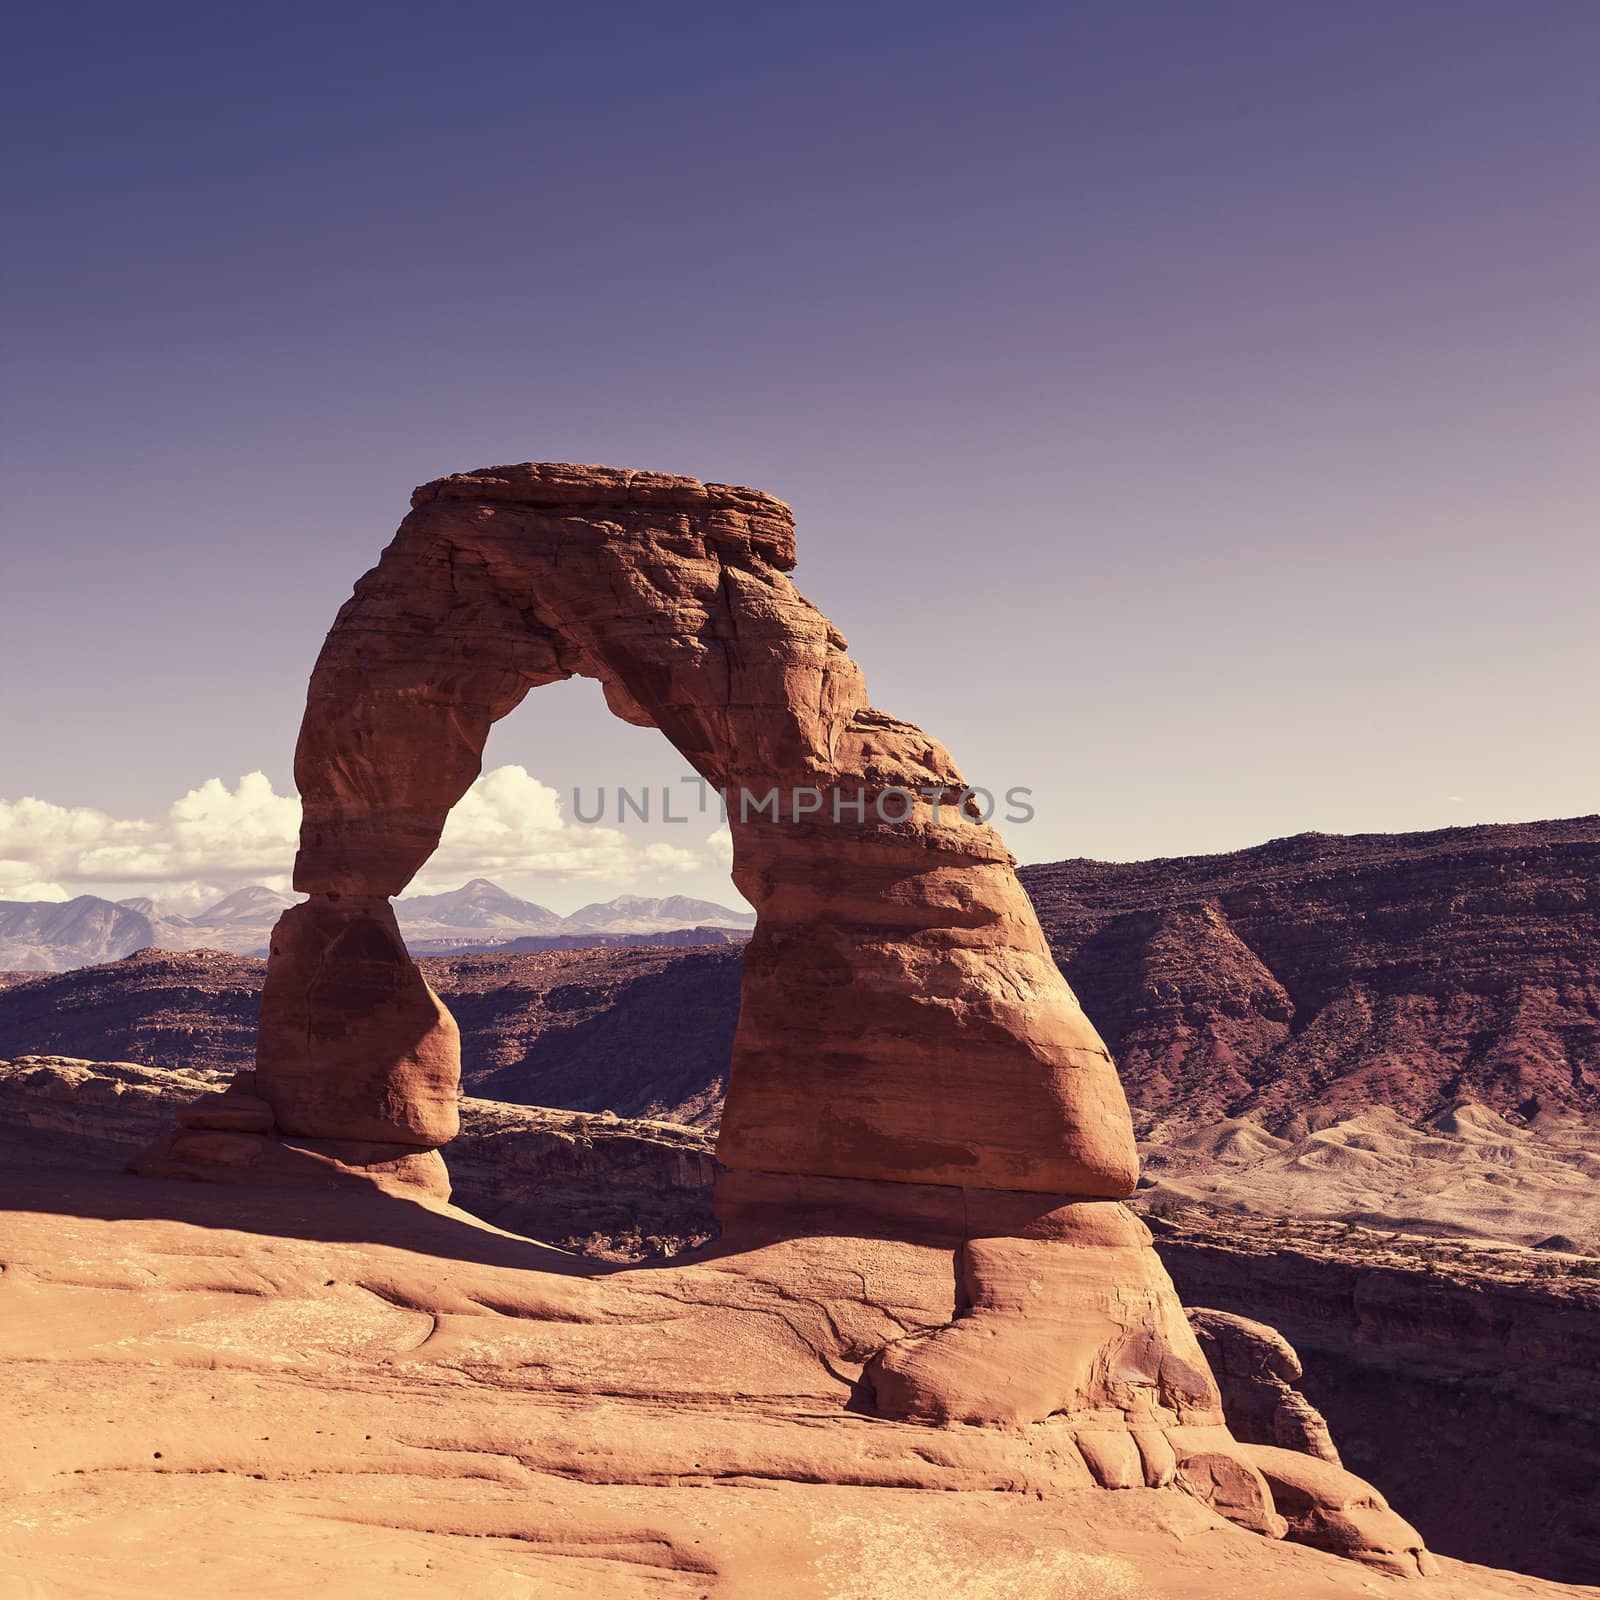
x: 1190, y: 408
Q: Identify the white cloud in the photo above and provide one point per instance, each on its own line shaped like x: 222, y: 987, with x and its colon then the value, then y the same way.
x: 720, y: 845
x: 214, y: 838
x: 510, y: 822
x: 217, y: 829
x: 17, y: 883
x: 213, y: 832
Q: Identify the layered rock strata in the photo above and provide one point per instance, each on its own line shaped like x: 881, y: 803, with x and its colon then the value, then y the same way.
x: 1408, y: 970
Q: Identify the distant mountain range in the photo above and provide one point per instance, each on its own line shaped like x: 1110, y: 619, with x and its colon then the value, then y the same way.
x: 479, y: 907
x: 480, y: 915
x: 483, y: 907
x: 52, y: 936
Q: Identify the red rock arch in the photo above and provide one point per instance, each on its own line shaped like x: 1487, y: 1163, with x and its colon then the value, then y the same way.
x: 902, y: 1019
x: 909, y: 1065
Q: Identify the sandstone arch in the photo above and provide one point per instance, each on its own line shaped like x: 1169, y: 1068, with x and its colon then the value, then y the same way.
x: 924, y: 1140
x: 902, y: 1019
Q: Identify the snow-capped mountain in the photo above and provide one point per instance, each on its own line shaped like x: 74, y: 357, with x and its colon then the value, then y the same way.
x: 631, y: 913
x: 478, y: 905
x: 50, y: 936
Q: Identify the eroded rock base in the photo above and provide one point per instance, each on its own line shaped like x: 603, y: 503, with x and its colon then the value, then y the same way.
x: 225, y: 1388
x: 1045, y: 1316
x: 233, y: 1137
x: 210, y: 1156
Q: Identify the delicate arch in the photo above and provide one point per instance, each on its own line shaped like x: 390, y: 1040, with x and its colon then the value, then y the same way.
x: 901, y: 1016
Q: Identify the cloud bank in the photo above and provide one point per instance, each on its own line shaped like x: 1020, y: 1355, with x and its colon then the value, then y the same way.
x: 213, y: 839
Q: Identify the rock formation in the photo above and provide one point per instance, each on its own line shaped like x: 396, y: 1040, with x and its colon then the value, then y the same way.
x: 925, y: 1141
x: 901, y: 1019
x: 1407, y: 970
x: 1257, y: 1370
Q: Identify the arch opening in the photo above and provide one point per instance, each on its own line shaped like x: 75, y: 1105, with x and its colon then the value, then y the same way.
x: 575, y: 806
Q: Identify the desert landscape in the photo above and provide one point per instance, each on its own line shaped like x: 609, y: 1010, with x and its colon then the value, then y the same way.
x: 842, y: 1250
x: 522, y: 1076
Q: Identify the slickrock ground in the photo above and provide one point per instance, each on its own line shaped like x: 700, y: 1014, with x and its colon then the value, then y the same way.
x: 1418, y: 1349
x: 611, y: 1187
x: 1405, y: 970
x: 217, y: 1390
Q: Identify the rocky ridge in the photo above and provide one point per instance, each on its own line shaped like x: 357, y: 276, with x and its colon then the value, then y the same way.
x: 1412, y: 971
x: 563, y: 1028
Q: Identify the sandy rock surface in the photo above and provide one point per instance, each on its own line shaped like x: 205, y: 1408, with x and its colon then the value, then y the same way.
x: 219, y: 1390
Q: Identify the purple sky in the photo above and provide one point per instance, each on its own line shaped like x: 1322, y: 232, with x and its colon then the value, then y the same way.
x: 1190, y: 409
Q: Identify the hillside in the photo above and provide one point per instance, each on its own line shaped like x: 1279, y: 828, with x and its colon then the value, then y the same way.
x: 642, y: 1031
x: 193, y: 1010
x: 1406, y: 970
